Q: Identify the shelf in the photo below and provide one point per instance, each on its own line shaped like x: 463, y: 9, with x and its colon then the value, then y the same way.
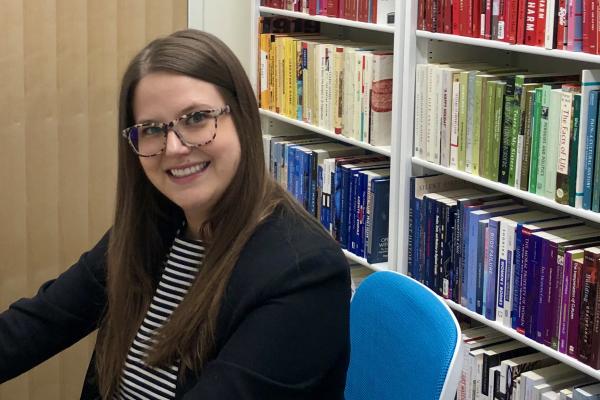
x: 494, y: 44
x: 375, y: 267
x: 529, y: 342
x: 500, y: 187
x: 329, y: 20
x: 385, y: 150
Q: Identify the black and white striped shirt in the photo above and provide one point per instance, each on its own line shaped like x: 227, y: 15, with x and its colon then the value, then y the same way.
x: 139, y: 381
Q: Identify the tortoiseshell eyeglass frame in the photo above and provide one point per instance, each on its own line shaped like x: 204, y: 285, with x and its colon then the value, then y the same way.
x: 170, y: 126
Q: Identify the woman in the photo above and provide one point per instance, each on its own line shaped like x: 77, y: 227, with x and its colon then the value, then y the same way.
x: 212, y: 283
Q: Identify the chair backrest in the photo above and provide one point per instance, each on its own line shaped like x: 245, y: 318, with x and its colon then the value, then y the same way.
x: 404, y: 342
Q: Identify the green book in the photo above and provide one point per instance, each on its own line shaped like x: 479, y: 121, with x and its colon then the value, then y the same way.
x: 506, y: 129
x: 535, y: 139
x: 524, y: 146
x: 462, y: 119
x: 493, y: 163
x: 574, y: 148
x: 564, y: 139
x: 518, y: 111
x: 596, y: 181
x: 478, y: 110
x: 554, y: 113
x: 487, y: 129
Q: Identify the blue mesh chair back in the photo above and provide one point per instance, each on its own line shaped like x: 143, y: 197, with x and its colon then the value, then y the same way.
x: 404, y: 342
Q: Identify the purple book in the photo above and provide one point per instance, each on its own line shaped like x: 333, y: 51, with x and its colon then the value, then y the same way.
x: 492, y: 266
x: 567, y: 261
x: 574, y: 303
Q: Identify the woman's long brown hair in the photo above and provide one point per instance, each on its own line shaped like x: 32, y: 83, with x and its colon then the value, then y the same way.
x: 137, y: 244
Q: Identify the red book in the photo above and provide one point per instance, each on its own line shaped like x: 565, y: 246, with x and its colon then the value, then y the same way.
x: 440, y: 15
x: 511, y: 14
x: 277, y: 3
x: 429, y: 15
x: 487, y: 17
x: 341, y: 5
x: 540, y: 23
x: 587, y: 308
x: 530, y: 22
x: 561, y: 25
x: 350, y: 9
x: 363, y: 11
x: 455, y: 17
x: 522, y: 13
x: 332, y: 8
x: 588, y: 16
x: 593, y: 29
x: 312, y: 7
x: 464, y: 23
x: 501, y: 29
x: 421, y: 15
x: 447, y: 16
x: 475, y: 15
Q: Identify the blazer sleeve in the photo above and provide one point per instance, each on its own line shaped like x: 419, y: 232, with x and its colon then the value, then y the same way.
x: 63, y: 311
x: 286, y: 346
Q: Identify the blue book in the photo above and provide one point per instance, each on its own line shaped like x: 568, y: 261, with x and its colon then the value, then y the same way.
x: 348, y: 196
x: 421, y: 185
x: 590, y: 149
x: 524, y: 269
x: 489, y: 294
x: 377, y: 246
x: 472, y: 243
x: 481, y: 264
x: 365, y: 179
x: 338, y: 207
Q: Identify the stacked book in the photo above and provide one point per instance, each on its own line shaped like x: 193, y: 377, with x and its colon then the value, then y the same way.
x: 535, y: 132
x: 554, y: 24
x: 346, y: 189
x: 341, y: 86
x: 530, y: 270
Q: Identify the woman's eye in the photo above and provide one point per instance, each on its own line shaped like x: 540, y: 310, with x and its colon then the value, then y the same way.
x: 195, y: 118
x: 152, y: 130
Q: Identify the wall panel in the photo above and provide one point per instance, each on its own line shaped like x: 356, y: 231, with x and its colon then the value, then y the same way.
x: 60, y: 66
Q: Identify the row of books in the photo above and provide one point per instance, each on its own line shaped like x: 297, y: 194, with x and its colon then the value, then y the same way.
x: 498, y: 368
x: 536, y: 132
x: 340, y: 86
x: 554, y: 24
x: 530, y: 270
x: 373, y: 11
x: 346, y: 189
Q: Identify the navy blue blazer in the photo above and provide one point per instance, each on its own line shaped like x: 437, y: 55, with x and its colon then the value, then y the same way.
x: 282, y: 332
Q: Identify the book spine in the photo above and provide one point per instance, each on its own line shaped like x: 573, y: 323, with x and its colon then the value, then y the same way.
x: 574, y: 308
x: 574, y: 148
x: 565, y: 298
x: 453, y: 163
x: 493, y: 163
x: 540, y: 23
x: 462, y: 120
x: 562, y: 165
x: 532, y: 288
x: 482, y: 248
x: 507, y: 128
x: 587, y: 307
x: 492, y: 265
x: 515, y: 133
x: 378, y: 252
x: 531, y: 22
x: 517, y: 276
x: 575, y: 25
x: 590, y: 149
x: 556, y: 281
x: 561, y: 26
x: 535, y: 140
x: 551, y: 22
x: 527, y: 136
x: 596, y: 173
x: 412, y: 227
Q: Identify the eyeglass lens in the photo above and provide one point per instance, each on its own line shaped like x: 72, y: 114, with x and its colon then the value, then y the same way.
x: 195, y: 129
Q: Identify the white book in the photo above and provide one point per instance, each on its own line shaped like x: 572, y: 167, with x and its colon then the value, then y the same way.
x: 349, y: 84
x: 493, y: 382
x: 587, y: 392
x: 454, y: 121
x: 384, y: 8
x: 590, y: 80
x: 551, y: 20
x: 365, y: 96
x: 531, y: 378
x: 432, y: 147
x: 470, y: 120
x: 445, y: 111
x: 566, y: 394
x: 512, y: 368
x: 558, y: 383
x: 420, y: 95
x: 380, y: 130
x: 471, y: 351
x: 551, y: 395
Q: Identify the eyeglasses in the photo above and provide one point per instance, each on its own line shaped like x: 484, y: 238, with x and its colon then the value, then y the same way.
x: 193, y: 130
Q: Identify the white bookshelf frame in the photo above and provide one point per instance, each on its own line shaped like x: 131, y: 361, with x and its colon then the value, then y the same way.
x: 396, y: 214
x: 419, y: 47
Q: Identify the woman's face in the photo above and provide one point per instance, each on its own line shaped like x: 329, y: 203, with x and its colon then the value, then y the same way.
x: 193, y: 178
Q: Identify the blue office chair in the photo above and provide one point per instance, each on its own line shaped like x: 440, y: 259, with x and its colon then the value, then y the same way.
x: 405, y: 342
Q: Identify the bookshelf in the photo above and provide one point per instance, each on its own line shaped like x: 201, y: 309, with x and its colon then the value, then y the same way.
x: 426, y: 47
x: 358, y: 32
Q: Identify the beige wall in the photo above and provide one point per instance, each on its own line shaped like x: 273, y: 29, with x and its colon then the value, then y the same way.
x: 60, y: 65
